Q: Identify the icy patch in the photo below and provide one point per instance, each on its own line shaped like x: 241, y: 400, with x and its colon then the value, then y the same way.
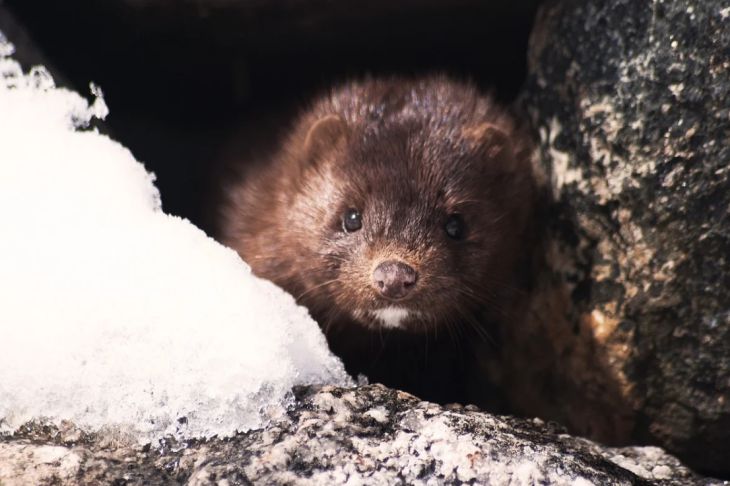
x: 114, y: 314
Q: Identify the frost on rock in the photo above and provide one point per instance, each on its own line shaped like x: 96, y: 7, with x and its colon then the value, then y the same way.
x: 114, y: 314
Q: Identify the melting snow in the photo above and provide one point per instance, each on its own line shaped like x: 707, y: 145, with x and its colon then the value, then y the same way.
x: 113, y: 313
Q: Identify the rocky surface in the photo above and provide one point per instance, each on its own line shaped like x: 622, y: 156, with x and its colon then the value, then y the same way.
x: 366, y: 435
x: 629, y: 339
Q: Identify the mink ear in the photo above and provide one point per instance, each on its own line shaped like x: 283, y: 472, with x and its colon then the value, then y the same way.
x: 490, y: 140
x: 325, y: 134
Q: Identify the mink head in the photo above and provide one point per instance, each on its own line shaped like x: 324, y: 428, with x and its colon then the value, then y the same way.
x: 403, y: 206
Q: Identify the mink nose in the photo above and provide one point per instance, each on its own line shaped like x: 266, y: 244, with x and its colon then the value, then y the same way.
x: 394, y: 279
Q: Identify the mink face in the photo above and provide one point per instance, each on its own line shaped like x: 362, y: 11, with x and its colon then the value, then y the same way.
x: 392, y: 204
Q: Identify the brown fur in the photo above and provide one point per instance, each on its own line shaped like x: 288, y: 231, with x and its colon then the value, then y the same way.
x: 407, y: 154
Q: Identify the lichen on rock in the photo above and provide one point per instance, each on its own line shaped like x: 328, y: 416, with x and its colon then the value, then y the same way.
x: 631, y: 101
x: 364, y: 435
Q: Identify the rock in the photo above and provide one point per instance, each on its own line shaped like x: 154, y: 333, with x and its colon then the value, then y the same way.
x: 365, y: 435
x: 628, y: 339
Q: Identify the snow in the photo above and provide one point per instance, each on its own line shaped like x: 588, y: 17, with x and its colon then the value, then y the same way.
x: 113, y: 314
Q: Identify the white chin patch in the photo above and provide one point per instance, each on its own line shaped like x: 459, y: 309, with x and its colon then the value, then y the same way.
x: 392, y: 316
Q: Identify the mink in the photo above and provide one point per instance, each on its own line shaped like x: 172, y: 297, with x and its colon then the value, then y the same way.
x: 396, y: 210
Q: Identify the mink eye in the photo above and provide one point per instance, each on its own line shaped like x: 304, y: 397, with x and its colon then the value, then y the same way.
x: 351, y: 220
x: 454, y: 227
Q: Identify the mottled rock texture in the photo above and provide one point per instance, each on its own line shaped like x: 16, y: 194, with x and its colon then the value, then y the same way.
x: 368, y: 435
x: 629, y: 335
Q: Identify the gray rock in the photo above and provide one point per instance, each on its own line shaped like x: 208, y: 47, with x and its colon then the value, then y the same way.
x: 629, y: 339
x: 365, y: 435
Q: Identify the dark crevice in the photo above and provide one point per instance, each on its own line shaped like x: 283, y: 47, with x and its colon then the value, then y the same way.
x: 179, y: 76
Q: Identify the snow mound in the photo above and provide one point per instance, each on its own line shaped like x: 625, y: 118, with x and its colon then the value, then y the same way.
x: 114, y: 314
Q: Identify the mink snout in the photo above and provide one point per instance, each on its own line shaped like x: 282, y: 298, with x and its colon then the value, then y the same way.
x: 394, y: 280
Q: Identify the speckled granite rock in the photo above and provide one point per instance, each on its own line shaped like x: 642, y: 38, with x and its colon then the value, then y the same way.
x: 631, y: 331
x: 368, y: 435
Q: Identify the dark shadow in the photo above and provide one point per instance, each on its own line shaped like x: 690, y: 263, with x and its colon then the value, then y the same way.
x: 178, y: 76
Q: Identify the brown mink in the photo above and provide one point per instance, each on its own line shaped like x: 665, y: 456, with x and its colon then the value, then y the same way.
x: 396, y: 211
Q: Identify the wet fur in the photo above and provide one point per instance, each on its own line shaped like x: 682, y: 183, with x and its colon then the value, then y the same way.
x: 411, y: 152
